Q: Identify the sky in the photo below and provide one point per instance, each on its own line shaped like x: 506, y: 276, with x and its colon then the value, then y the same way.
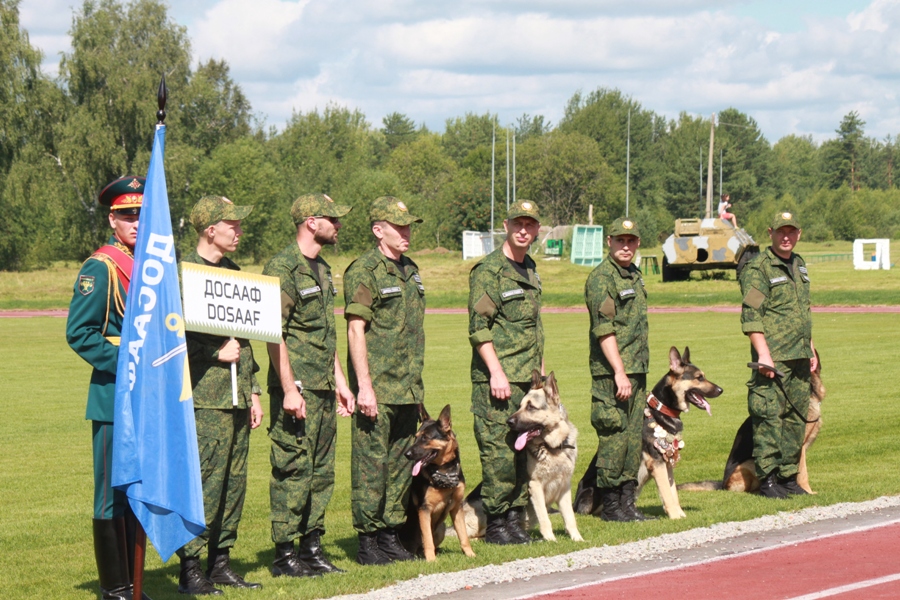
x: 795, y: 66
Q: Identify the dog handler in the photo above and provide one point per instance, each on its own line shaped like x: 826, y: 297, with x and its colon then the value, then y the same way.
x: 306, y: 387
x: 776, y: 317
x: 619, y: 358
x: 507, y: 340
x: 385, y: 312
x: 93, y: 330
x: 223, y: 430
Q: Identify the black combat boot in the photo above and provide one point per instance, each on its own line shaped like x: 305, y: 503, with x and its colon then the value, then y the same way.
x: 790, y: 485
x: 627, y: 500
x: 112, y: 559
x: 310, y: 552
x: 192, y: 581
x: 220, y: 573
x: 287, y: 563
x: 612, y: 506
x: 768, y: 487
x: 369, y: 553
x: 514, y: 521
x: 390, y: 545
x: 497, y: 532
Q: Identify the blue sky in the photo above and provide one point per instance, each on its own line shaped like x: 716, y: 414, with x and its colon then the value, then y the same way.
x: 796, y: 66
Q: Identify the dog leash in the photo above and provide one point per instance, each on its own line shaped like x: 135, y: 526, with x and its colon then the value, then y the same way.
x: 778, y: 376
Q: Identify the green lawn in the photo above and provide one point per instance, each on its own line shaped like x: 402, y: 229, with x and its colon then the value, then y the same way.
x: 445, y: 278
x: 45, y: 479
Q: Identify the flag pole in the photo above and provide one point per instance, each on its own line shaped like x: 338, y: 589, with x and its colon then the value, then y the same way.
x: 140, y: 536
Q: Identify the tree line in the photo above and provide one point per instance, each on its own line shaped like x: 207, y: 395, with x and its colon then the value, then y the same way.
x: 63, y: 139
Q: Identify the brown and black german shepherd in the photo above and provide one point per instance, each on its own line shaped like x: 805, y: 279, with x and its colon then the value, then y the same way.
x: 438, y: 487
x: 740, y: 468
x: 683, y: 385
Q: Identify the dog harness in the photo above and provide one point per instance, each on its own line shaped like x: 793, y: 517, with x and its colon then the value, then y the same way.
x: 440, y: 479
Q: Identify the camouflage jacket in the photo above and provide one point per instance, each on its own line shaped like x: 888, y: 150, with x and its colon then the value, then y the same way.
x: 776, y: 304
x: 210, y: 377
x: 505, y: 308
x: 307, y: 318
x: 393, y: 305
x: 617, y: 303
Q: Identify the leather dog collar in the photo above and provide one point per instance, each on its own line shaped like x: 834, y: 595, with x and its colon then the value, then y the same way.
x: 658, y: 406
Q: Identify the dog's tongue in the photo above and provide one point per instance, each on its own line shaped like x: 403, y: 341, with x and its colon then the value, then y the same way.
x: 417, y: 467
x: 525, y: 436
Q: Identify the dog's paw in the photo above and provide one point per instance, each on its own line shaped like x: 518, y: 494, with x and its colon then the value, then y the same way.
x: 677, y: 514
x: 576, y: 537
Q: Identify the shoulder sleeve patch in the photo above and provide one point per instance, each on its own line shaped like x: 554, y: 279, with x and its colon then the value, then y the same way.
x: 608, y: 308
x: 485, y: 306
x: 754, y: 298
x: 362, y: 296
x: 287, y: 303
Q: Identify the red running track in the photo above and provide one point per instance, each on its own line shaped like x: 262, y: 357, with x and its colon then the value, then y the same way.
x: 856, y: 565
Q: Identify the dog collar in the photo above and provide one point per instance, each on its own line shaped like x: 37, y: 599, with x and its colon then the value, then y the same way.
x: 444, y: 479
x: 656, y: 405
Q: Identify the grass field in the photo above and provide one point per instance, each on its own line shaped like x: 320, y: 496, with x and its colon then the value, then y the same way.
x: 45, y: 478
x: 445, y: 277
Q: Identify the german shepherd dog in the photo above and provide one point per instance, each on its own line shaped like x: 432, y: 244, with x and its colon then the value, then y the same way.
x: 740, y: 468
x: 661, y: 435
x: 549, y: 438
x: 438, y: 487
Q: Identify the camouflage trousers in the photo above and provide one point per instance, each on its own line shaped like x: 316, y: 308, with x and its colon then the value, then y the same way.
x: 223, y: 438
x: 302, y: 458
x: 108, y: 502
x: 504, y: 472
x: 379, y: 473
x: 618, y: 425
x: 778, y: 429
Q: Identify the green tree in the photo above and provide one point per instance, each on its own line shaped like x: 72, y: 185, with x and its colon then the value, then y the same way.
x: 463, y: 135
x: 398, y: 129
x: 528, y: 126
x: 795, y: 166
x: 841, y: 156
x: 685, y: 153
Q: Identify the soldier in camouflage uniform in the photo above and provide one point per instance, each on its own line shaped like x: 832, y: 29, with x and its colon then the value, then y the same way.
x: 776, y: 316
x: 93, y: 330
x: 617, y: 303
x: 223, y: 428
x: 306, y: 386
x: 385, y: 311
x: 507, y: 340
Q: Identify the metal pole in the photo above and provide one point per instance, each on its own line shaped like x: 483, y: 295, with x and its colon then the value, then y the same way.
x: 493, y: 145
x: 701, y: 175
x: 709, y: 171
x: 720, y: 172
x: 514, y: 165
x: 507, y: 170
x: 628, y: 164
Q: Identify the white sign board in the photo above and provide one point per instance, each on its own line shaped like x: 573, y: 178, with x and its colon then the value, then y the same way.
x: 231, y: 303
x: 878, y: 256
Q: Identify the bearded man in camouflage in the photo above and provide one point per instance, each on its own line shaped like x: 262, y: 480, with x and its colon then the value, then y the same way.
x: 385, y: 311
x: 223, y: 428
x: 507, y: 339
x: 776, y: 317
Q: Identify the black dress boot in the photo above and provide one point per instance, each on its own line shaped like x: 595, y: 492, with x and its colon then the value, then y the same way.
x: 514, y: 521
x: 286, y: 563
x: 310, y: 552
x: 790, y: 485
x: 610, y: 498
x: 112, y: 559
x: 496, y: 532
x: 192, y: 581
x: 220, y: 573
x: 390, y: 545
x: 369, y: 553
x: 627, y: 501
x: 769, y: 487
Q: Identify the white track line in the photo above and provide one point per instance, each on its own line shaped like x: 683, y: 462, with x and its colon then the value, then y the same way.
x: 849, y: 588
x: 706, y: 561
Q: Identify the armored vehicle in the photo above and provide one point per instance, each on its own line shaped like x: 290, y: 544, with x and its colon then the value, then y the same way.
x: 701, y: 244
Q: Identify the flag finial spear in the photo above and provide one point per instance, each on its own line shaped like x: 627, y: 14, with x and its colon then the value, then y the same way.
x: 161, y: 100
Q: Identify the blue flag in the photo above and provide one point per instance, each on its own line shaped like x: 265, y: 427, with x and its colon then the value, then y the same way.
x: 155, y: 457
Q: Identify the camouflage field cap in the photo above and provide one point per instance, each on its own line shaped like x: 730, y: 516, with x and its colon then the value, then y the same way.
x: 124, y: 195
x: 392, y: 210
x: 624, y: 226
x: 209, y: 210
x: 316, y: 205
x: 784, y: 219
x: 523, y: 208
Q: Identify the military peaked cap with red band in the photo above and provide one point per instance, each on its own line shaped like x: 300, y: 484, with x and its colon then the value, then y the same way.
x: 124, y: 195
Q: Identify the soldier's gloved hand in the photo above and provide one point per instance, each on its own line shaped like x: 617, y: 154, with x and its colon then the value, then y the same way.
x: 230, y: 351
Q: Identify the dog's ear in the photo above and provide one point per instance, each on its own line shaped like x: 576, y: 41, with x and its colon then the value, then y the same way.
x: 444, y: 420
x: 536, y: 380
x: 423, y: 414
x: 550, y: 388
x: 674, y: 360
x: 686, y: 357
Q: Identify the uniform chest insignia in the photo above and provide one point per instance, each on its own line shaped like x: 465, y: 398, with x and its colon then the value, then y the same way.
x: 417, y: 278
x: 310, y: 290
x: 627, y: 293
x: 777, y: 280
x: 512, y: 293
x: 390, y: 290
x: 803, y: 270
x: 86, y: 284
x: 331, y: 285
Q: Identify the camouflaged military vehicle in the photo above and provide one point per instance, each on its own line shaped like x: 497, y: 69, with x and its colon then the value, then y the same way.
x: 701, y: 244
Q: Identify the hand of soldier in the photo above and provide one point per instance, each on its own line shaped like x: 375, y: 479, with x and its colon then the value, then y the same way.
x: 345, y: 401
x: 623, y: 387
x: 256, y: 411
x: 365, y: 400
x: 294, y: 404
x: 500, y: 386
x: 230, y: 351
x: 766, y: 360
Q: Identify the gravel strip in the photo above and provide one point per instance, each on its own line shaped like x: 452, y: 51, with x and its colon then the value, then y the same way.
x: 426, y: 586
